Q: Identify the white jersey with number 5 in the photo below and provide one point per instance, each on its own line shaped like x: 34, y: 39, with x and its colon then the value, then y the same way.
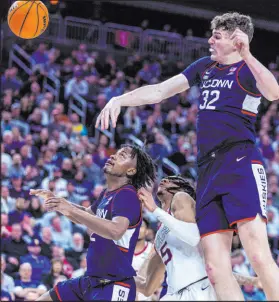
x: 184, y: 263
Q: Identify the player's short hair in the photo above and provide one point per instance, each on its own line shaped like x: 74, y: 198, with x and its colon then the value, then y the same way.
x: 230, y: 21
x: 145, y: 220
x: 146, y: 169
x: 182, y: 184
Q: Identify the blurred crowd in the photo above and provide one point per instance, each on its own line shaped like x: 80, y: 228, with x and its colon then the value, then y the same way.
x: 45, y: 147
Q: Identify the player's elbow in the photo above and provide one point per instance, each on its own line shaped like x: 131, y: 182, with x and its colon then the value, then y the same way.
x: 116, y: 234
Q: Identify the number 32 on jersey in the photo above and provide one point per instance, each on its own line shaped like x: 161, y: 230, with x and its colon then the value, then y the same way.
x: 209, y: 97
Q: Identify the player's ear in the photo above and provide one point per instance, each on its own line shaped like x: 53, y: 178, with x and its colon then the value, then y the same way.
x: 131, y: 172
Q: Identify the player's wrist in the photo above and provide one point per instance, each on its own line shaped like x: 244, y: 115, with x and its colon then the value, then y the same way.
x: 247, y: 57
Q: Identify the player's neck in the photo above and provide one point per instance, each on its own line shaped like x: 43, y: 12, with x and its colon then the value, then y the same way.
x: 231, y: 59
x: 114, y: 183
x: 140, y: 246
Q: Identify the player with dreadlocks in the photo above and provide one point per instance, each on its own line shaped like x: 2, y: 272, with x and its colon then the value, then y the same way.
x: 114, y: 221
x: 178, y: 246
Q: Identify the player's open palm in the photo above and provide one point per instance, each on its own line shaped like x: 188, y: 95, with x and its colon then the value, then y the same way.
x: 241, y: 42
x: 109, y: 113
x: 147, y: 199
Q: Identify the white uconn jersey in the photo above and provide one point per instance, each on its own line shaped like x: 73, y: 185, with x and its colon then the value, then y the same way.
x: 184, y: 263
x: 140, y: 257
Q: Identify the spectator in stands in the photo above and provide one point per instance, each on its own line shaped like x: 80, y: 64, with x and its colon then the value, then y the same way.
x: 171, y: 125
x: 60, y: 183
x: 74, y: 253
x: 112, y: 90
x: 60, y: 236
x: 55, y: 272
x: 66, y: 70
x: 7, y: 202
x: 40, y: 56
x: 78, y: 127
x: 67, y: 169
x: 59, y: 253
x: 5, y: 157
x: 9, y: 80
x: 35, y: 121
x: 5, y: 227
x: 252, y: 294
x: 27, y: 157
x: 14, y: 247
x: 40, y: 264
x: 46, y: 242
x: 83, y: 267
x: 238, y: 263
x: 8, y: 283
x: 161, y: 148
x: 17, y: 215
x: 92, y: 171
x: 17, y: 169
x: 5, y: 175
x: 16, y: 189
x: 35, y: 208
x: 132, y: 121
x: 43, y: 139
x: 25, y: 284
x: 45, y: 108
x: 82, y: 186
x: 76, y: 85
x: 93, y: 87
x: 17, y: 120
x: 144, y: 76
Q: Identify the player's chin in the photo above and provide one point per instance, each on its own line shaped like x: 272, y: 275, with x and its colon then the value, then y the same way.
x: 213, y: 57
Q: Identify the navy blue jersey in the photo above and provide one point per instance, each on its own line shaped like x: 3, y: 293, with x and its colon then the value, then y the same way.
x: 112, y: 259
x: 228, y: 103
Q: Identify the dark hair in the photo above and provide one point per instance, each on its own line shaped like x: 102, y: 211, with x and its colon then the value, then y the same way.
x: 230, y: 21
x: 183, y: 185
x: 146, y: 170
x: 145, y: 220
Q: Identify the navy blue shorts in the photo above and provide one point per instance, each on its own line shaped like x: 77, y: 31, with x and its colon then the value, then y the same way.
x: 232, y: 187
x: 87, y: 288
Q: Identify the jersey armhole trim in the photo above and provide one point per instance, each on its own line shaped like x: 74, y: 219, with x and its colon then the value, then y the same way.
x: 238, y: 82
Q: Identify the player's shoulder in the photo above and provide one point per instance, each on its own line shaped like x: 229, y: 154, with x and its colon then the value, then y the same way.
x: 205, y: 61
x: 127, y: 189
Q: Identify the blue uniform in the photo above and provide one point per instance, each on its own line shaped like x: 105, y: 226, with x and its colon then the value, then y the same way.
x: 109, y: 273
x: 231, y: 177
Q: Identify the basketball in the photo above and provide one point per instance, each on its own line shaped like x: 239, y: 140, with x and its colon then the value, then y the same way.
x: 28, y: 19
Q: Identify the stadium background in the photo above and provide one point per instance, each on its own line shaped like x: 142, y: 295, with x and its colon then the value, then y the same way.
x: 53, y: 88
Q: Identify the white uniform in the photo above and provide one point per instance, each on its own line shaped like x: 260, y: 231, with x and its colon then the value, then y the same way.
x: 184, y: 261
x: 138, y: 260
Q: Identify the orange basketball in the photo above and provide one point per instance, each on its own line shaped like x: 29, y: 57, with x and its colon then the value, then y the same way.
x: 28, y: 19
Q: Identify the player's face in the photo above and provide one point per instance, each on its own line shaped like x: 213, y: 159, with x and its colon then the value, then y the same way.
x: 121, y: 164
x: 164, y: 185
x: 221, y: 46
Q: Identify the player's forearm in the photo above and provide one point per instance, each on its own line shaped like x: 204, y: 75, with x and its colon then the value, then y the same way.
x: 187, y: 232
x: 266, y: 81
x: 103, y: 227
x: 149, y: 94
x: 154, y: 275
x: 73, y: 219
x: 246, y: 280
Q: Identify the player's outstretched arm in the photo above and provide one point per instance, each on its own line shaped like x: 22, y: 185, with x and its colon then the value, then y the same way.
x: 149, y: 94
x: 266, y: 82
x: 154, y: 276
x: 247, y: 280
x: 183, y: 224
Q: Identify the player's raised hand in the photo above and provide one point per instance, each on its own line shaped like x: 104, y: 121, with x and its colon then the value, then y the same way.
x: 147, y: 199
x: 241, y: 42
x: 45, y: 194
x: 58, y: 204
x: 110, y: 112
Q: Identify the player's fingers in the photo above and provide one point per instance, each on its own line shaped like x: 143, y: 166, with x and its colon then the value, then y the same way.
x: 106, y: 118
x: 98, y: 121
